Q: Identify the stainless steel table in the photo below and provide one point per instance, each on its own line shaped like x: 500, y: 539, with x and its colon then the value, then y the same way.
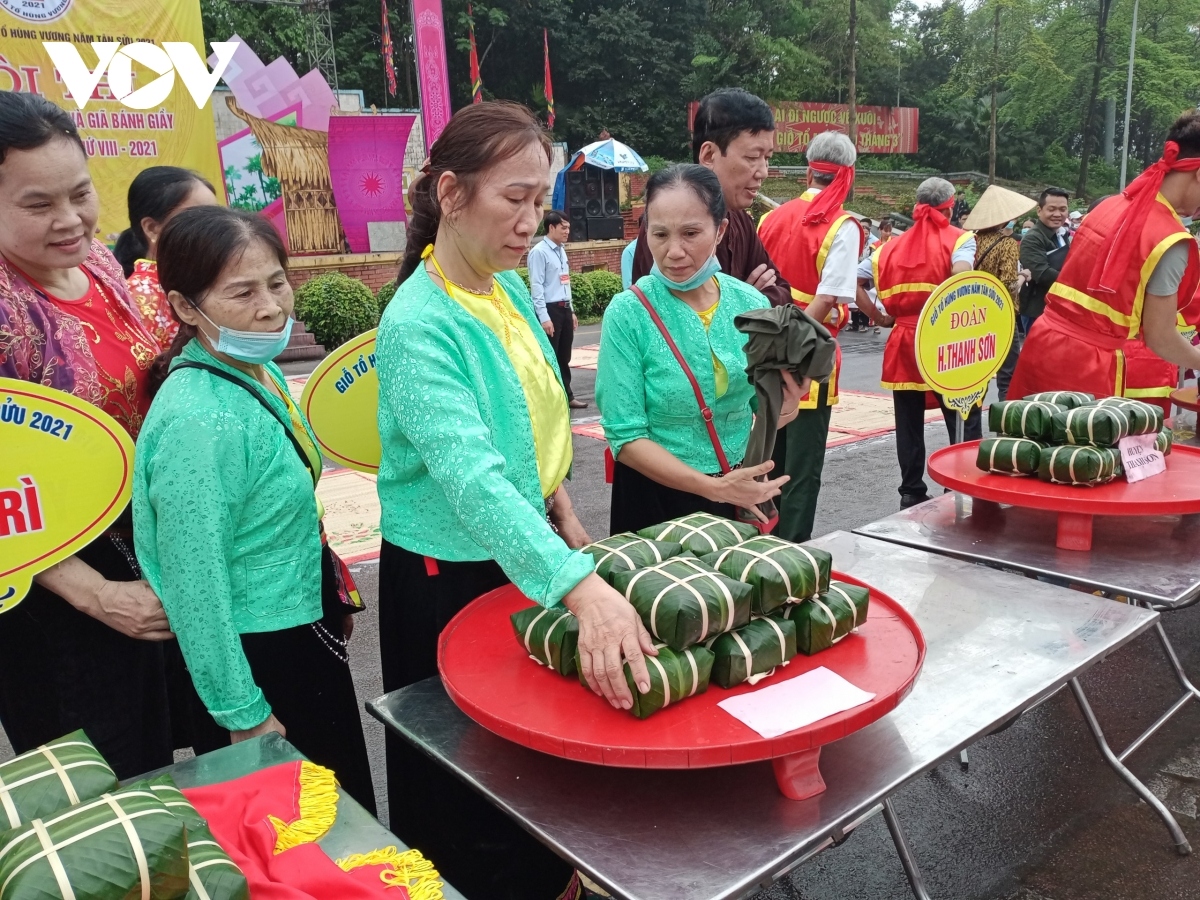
x: 1152, y: 561
x: 354, y: 831
x: 997, y: 645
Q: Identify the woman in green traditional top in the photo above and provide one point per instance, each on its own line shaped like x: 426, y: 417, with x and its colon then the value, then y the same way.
x: 476, y: 442
x: 226, y: 524
x: 665, y: 458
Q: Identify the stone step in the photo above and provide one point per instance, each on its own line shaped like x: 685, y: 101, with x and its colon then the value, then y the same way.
x: 301, y: 345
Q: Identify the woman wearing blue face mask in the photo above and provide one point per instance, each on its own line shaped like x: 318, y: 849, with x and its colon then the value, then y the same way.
x: 226, y: 524
x: 665, y: 456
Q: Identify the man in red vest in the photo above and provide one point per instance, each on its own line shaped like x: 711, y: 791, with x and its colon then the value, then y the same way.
x: 816, y: 245
x: 1132, y: 267
x: 905, y: 271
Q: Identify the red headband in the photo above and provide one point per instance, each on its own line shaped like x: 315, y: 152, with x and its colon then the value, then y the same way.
x: 832, y: 197
x: 921, y: 241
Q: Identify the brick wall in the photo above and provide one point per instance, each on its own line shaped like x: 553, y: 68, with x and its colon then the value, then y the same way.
x: 373, y: 269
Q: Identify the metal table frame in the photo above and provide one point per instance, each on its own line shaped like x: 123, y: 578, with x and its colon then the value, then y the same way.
x: 996, y: 648
x: 1013, y: 538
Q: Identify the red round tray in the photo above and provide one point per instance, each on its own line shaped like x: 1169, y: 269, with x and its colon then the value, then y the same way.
x: 1175, y: 492
x: 491, y: 678
x: 1186, y: 398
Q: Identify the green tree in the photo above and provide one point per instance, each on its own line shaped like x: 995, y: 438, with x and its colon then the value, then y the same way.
x: 254, y: 167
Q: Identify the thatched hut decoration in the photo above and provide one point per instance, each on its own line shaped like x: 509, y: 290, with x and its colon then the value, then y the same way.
x: 299, y: 158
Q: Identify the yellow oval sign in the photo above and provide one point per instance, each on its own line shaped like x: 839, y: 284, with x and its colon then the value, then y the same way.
x: 65, y: 476
x: 963, y: 335
x: 341, y: 402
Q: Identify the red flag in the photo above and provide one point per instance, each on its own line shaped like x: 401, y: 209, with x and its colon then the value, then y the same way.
x: 476, y: 78
x: 389, y: 65
x: 549, y: 87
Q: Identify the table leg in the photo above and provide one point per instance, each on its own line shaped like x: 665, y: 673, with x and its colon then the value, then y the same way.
x: 798, y: 776
x: 1192, y: 693
x: 1181, y: 842
x: 1074, y: 531
x: 915, y: 881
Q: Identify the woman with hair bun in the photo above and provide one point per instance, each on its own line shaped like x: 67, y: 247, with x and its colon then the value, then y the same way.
x: 476, y: 441
x: 155, y: 195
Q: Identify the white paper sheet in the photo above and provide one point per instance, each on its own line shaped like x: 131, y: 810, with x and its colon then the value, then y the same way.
x: 792, y: 704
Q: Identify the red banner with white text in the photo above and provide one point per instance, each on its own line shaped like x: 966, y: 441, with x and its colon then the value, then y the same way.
x: 881, y: 129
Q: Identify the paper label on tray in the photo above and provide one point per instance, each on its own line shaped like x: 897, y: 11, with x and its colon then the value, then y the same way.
x: 1140, y: 457
x: 795, y: 703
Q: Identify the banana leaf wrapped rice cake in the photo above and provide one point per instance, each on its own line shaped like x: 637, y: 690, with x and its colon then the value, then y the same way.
x: 779, y: 571
x: 1164, y: 441
x: 1023, y: 418
x: 1009, y: 455
x: 701, y: 534
x: 626, y: 552
x: 674, y: 676
x: 752, y: 651
x: 683, y: 601
x: 56, y: 775
x: 1065, y: 399
x: 120, y: 845
x: 1092, y: 426
x: 212, y: 874
x: 549, y: 636
x: 1081, y: 466
x: 1144, y: 418
x: 823, y: 621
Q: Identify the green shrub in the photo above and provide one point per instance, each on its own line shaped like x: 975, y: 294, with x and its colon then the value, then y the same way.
x: 384, y: 297
x: 583, y: 296
x: 335, y: 308
x: 605, y: 285
x: 523, y: 272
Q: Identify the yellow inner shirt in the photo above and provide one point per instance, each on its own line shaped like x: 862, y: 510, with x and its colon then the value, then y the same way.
x: 720, y: 374
x: 549, y: 416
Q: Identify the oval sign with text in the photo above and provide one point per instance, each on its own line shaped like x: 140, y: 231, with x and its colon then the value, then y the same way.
x: 341, y: 402
x: 66, y: 474
x: 963, y: 335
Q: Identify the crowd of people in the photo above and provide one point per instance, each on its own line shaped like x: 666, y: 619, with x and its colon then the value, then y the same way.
x: 214, y: 610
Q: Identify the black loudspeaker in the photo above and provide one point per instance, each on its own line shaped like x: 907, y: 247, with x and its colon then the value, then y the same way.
x: 605, y: 228
x: 579, y: 224
x: 576, y: 188
x: 612, y: 189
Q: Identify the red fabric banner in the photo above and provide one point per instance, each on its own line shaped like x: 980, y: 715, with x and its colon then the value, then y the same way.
x: 476, y: 78
x: 881, y: 129
x: 549, y: 89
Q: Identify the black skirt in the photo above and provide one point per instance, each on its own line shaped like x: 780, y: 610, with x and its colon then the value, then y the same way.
x: 475, y: 846
x: 639, y: 502
x: 304, y: 672
x: 61, y: 669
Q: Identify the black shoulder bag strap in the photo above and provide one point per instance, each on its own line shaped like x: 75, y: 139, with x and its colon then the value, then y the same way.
x: 253, y: 392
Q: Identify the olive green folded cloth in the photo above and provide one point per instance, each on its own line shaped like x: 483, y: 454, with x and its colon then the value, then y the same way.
x: 752, y: 651
x: 1080, y: 466
x: 549, y: 636
x: 779, y: 571
x: 1009, y: 455
x: 674, y: 676
x: 1065, y: 399
x: 212, y: 875
x: 1023, y: 418
x: 121, y: 845
x: 683, y: 601
x: 626, y: 551
x: 56, y: 775
x: 823, y: 621
x: 701, y: 533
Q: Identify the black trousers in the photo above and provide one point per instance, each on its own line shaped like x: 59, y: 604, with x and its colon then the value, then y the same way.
x: 910, y: 437
x: 1004, y: 376
x: 800, y: 453
x: 475, y: 846
x: 639, y: 502
x: 61, y: 670
x: 563, y: 321
x: 304, y: 673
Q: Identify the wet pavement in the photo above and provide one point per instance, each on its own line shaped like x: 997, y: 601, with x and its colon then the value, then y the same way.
x: 1037, y: 815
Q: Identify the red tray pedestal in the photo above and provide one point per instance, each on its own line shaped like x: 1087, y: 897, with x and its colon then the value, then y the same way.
x: 1175, y: 492
x: 488, y: 674
x: 1186, y: 398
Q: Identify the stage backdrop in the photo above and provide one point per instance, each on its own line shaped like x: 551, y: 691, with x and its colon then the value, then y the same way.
x: 120, y: 142
x: 881, y: 129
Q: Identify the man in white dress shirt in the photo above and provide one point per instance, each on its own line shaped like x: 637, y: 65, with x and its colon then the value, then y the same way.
x: 550, y: 287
